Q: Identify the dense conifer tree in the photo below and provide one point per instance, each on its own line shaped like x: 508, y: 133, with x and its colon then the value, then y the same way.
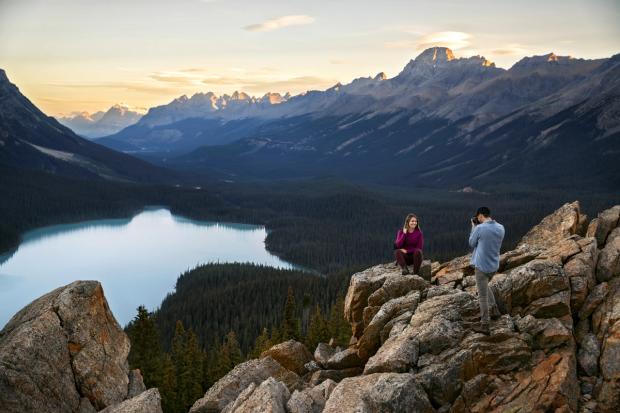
x: 339, y: 328
x: 290, y: 323
x: 262, y: 343
x: 146, y: 351
x: 318, y: 330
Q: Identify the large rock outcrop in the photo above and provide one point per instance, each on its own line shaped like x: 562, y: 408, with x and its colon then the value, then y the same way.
x: 65, y: 352
x: 239, y: 379
x: 291, y: 354
x: 556, y: 347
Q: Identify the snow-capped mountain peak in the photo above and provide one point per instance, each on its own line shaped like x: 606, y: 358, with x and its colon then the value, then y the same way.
x: 274, y: 98
x: 239, y: 96
x: 435, y: 56
x: 545, y: 60
x: 92, y: 125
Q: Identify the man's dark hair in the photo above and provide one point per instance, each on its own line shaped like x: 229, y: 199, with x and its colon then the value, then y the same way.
x: 484, y: 211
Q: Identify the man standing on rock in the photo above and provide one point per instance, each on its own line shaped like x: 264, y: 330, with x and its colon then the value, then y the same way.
x: 486, y: 239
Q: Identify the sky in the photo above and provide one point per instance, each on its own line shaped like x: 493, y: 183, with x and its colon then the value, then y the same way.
x: 87, y: 55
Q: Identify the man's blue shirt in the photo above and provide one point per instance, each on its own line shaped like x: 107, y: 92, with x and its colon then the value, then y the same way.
x: 486, y: 240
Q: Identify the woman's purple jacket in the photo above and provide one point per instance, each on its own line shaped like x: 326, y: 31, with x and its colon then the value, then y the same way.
x: 410, y: 241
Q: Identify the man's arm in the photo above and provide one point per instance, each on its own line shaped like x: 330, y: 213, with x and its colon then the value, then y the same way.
x: 474, y: 236
x: 400, y: 239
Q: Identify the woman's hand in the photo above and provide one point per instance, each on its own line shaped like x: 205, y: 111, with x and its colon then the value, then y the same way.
x: 404, y: 251
x: 404, y: 230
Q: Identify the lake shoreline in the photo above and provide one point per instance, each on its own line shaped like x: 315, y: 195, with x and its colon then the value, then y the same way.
x: 139, y: 257
x: 7, y: 252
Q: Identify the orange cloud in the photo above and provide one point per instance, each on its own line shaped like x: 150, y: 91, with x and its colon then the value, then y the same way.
x: 452, y: 40
x: 280, y: 22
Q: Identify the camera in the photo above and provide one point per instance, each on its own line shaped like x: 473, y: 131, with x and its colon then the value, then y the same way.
x: 475, y: 221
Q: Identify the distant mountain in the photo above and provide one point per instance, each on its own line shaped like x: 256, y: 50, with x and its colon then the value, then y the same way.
x: 468, y: 92
x: 547, y: 121
x: 102, y: 123
x: 29, y: 139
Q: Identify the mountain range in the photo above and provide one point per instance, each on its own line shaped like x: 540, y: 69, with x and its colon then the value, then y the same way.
x: 98, y: 124
x: 29, y: 139
x: 442, y: 120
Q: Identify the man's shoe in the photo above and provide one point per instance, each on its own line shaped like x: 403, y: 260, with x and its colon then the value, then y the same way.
x: 482, y: 328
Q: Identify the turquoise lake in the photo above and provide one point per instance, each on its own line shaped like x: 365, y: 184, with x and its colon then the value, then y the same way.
x: 137, y: 260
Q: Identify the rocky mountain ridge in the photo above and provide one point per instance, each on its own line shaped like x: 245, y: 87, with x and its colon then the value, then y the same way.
x: 428, y: 82
x: 412, y: 347
x: 442, y: 122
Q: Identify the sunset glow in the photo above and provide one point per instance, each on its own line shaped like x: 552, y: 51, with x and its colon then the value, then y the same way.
x: 88, y: 55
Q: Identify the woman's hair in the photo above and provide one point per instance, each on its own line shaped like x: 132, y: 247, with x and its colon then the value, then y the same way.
x: 409, y: 216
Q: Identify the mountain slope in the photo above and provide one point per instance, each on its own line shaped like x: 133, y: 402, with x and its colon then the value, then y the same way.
x: 31, y: 140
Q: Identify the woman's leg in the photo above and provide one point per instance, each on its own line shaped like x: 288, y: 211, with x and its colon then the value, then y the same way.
x: 400, y: 258
x: 417, y: 261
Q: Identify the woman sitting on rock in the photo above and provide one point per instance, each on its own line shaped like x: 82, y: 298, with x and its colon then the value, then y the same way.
x: 408, y: 245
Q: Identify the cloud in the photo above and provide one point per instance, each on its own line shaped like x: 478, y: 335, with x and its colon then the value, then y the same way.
x: 136, y: 86
x: 280, y: 22
x: 194, y: 70
x: 262, y: 85
x: 177, y: 78
x: 452, y: 40
x: 511, y: 50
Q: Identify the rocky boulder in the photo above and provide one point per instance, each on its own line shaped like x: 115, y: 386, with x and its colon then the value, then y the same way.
x: 540, y: 288
x: 320, y: 376
x: 589, y: 352
x: 608, y: 265
x: 551, y: 386
x: 553, y: 228
x: 323, y: 353
x: 361, y: 286
x: 311, y: 400
x: 372, y: 337
x: 229, y: 387
x: 344, y: 359
x: 63, y: 347
x: 603, y: 224
x: 148, y: 401
x: 291, y: 354
x: 606, y: 327
x: 381, y: 392
x: 136, y: 384
x: 268, y: 397
x: 452, y: 273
